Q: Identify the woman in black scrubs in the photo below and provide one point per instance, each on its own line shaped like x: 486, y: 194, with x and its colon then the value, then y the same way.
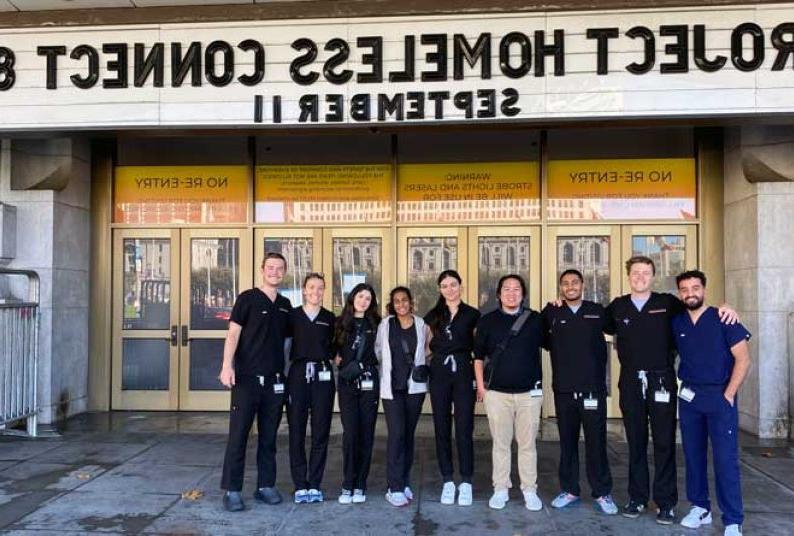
x: 452, y: 325
x: 400, y: 347
x: 310, y: 388
x: 358, y: 399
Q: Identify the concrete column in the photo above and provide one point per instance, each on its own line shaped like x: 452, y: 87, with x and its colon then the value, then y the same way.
x: 49, y: 183
x: 759, y: 268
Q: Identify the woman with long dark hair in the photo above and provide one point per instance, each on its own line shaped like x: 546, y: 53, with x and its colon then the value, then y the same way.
x: 452, y: 324
x: 400, y: 347
x: 358, y: 388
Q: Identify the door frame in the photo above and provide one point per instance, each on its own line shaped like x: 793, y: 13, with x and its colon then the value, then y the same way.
x: 149, y: 399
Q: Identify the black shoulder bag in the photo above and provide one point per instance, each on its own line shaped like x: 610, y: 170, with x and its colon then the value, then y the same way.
x: 355, y: 368
x: 502, y: 346
x: 419, y: 373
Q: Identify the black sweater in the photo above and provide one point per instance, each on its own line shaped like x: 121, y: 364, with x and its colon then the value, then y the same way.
x: 518, y: 368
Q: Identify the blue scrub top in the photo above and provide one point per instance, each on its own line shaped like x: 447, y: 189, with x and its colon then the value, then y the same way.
x: 705, y: 347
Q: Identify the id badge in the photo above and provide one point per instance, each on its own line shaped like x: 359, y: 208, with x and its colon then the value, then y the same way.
x: 686, y: 394
x: 536, y: 393
x: 474, y: 384
x: 663, y: 397
x: 367, y: 385
x: 278, y: 388
x: 590, y: 403
x: 324, y: 375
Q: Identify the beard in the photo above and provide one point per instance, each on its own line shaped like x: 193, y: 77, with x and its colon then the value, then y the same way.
x: 694, y: 305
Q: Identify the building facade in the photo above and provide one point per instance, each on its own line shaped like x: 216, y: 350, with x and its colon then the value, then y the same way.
x: 154, y: 154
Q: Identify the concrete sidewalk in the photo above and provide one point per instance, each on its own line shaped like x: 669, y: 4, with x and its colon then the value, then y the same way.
x: 131, y: 473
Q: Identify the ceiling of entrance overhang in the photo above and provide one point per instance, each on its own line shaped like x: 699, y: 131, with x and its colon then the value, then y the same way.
x: 42, y: 5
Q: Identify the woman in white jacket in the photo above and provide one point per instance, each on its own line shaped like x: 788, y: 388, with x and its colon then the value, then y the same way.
x: 401, y: 346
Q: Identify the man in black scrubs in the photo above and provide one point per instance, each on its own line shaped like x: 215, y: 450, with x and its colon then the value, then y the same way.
x: 574, y: 336
x: 641, y: 322
x: 253, y: 367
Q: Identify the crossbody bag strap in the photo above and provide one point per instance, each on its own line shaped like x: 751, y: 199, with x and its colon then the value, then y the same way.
x: 518, y: 323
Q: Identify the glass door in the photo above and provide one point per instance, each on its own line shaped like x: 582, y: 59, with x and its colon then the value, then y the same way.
x: 353, y: 256
x: 145, y: 360
x: 594, y: 251
x: 216, y: 267
x: 303, y: 250
x: 673, y: 249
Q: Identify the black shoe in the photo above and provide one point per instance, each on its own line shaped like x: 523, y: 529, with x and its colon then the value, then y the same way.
x: 268, y: 495
x: 666, y: 516
x: 233, y: 501
x: 633, y: 509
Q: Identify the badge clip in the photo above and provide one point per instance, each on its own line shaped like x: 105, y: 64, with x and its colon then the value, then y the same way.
x: 537, y: 391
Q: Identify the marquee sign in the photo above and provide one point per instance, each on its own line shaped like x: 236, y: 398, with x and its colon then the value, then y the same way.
x: 402, y: 69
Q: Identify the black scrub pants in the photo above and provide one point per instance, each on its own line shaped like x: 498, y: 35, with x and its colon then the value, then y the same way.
x: 638, y: 411
x: 250, y: 401
x: 572, y: 416
x: 359, y: 411
x: 402, y: 415
x: 449, y: 388
x: 314, y: 397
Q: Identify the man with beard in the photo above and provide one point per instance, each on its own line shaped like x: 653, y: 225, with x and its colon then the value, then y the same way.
x: 714, y: 360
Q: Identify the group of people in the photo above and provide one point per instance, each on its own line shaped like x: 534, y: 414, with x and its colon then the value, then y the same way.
x: 277, y: 355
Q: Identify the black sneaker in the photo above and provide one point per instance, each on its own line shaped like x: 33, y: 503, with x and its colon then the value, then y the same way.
x: 666, y: 516
x: 233, y: 501
x: 633, y: 509
x: 268, y: 495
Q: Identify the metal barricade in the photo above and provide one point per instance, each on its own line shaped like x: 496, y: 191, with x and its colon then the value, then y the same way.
x: 19, y: 354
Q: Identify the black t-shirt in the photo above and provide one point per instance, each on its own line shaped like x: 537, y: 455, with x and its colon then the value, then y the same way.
x: 348, y: 350
x: 455, y: 336
x: 644, y: 337
x: 312, y: 340
x: 260, y: 350
x: 577, y: 346
x: 518, y: 368
x: 400, y: 363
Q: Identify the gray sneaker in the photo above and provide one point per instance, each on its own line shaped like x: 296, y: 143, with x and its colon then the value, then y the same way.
x: 268, y: 496
x: 606, y: 505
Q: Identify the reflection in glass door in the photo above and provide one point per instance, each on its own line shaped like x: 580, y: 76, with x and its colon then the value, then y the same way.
x: 594, y: 251
x: 215, y: 268
x: 145, y: 317
x: 353, y: 256
x: 424, y: 253
x: 673, y: 249
x: 301, y: 248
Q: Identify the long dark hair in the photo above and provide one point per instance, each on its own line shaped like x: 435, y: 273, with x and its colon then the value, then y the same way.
x: 346, y: 321
x: 439, y: 314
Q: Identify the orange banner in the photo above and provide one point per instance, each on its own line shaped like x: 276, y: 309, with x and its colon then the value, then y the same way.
x: 470, y: 181
x: 318, y: 183
x: 623, y: 178
x: 180, y: 194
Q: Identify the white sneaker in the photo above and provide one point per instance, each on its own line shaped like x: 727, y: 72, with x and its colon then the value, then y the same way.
x: 448, y: 493
x: 499, y: 499
x: 564, y: 499
x: 606, y: 505
x: 696, y: 517
x: 532, y: 501
x: 733, y: 530
x: 464, y: 494
x: 409, y: 494
x: 396, y: 498
x: 346, y: 497
x: 359, y: 496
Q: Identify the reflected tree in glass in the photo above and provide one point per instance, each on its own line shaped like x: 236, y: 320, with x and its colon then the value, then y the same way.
x: 147, y: 283
x: 214, y: 281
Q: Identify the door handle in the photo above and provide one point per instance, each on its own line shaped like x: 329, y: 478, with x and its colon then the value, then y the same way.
x: 184, y: 334
x: 173, y: 335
